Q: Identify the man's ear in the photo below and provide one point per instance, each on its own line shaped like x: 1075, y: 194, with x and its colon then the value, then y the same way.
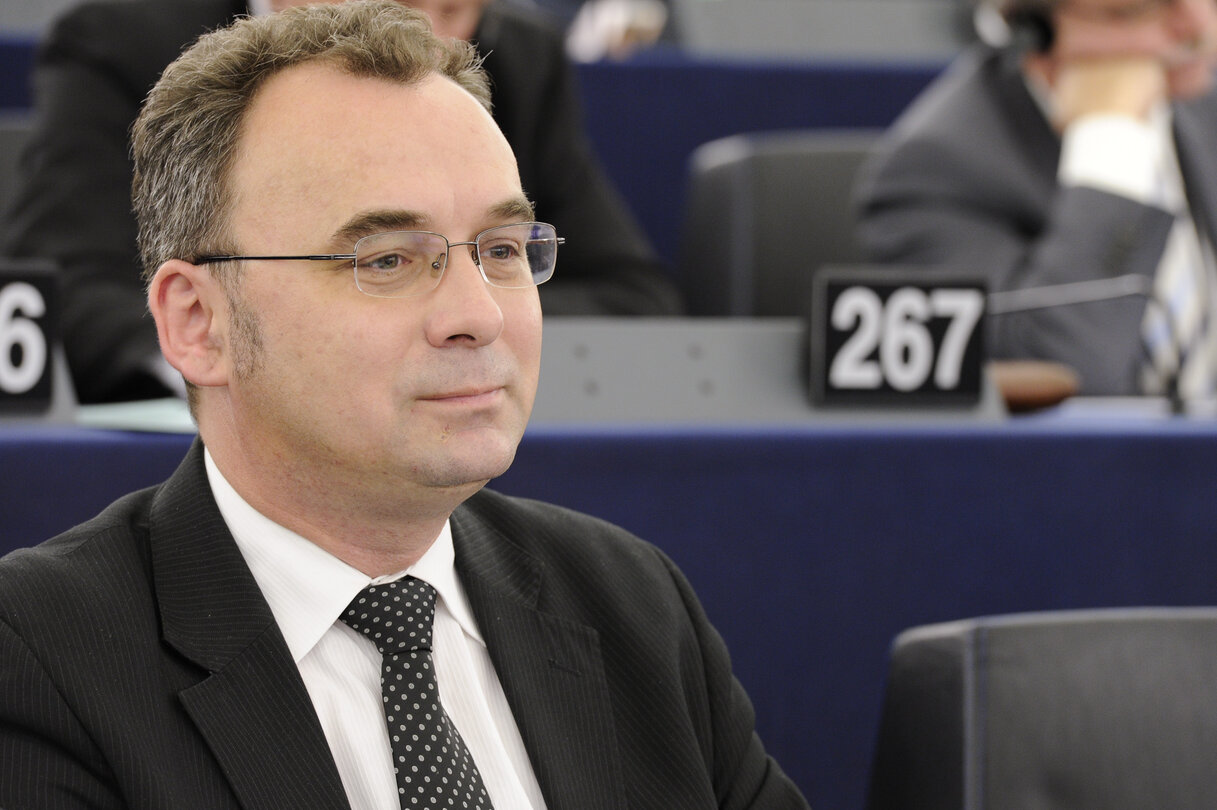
x: 191, y: 309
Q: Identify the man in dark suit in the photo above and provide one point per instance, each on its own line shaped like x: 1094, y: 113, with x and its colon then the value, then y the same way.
x: 343, y: 266
x: 99, y: 61
x: 1080, y: 154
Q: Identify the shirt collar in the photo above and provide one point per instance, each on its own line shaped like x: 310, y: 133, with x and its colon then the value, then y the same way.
x: 308, y: 588
x: 257, y: 8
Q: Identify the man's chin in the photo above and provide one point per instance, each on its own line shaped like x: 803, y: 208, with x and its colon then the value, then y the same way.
x: 472, y: 458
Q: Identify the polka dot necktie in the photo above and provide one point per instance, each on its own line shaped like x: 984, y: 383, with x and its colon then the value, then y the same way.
x: 432, y: 764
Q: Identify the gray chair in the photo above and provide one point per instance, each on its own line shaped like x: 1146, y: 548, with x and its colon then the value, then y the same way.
x: 1086, y: 710
x: 763, y: 211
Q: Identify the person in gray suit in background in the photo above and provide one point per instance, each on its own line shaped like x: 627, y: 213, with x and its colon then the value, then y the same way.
x: 344, y: 267
x: 1073, y: 162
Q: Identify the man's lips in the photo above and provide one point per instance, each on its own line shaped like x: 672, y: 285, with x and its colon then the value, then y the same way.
x: 477, y: 395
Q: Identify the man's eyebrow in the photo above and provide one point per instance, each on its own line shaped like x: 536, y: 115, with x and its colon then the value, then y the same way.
x: 370, y: 222
x: 517, y: 208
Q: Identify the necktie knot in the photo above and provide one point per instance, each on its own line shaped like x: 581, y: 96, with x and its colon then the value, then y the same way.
x: 396, y: 616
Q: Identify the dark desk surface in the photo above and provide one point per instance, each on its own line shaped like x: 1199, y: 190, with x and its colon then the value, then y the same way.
x: 811, y: 546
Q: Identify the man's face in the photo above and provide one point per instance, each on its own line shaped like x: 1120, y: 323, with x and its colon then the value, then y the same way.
x: 454, y: 19
x: 432, y: 390
x: 1181, y: 34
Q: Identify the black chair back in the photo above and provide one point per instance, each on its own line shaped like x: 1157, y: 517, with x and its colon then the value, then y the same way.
x: 1085, y: 710
x: 763, y: 212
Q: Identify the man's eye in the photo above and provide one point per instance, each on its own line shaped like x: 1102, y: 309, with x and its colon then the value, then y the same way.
x: 396, y: 261
x: 501, y: 252
x: 389, y: 261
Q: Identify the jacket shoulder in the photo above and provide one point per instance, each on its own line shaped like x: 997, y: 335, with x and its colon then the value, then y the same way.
x: 85, y: 568
x: 132, y: 38
x: 508, y: 23
x: 547, y: 530
x: 592, y: 568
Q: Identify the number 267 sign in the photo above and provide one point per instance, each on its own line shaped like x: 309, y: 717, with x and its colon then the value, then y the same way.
x: 885, y: 338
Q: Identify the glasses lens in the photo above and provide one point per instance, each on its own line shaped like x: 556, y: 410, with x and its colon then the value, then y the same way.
x: 400, y: 263
x: 518, y: 255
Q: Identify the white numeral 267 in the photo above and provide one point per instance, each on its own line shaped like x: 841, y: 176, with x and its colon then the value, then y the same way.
x: 898, y: 330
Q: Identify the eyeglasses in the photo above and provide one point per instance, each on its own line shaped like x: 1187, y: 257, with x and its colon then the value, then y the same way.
x: 400, y: 264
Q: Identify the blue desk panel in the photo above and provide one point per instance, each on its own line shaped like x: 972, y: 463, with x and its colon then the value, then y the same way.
x: 811, y: 547
x: 16, y: 67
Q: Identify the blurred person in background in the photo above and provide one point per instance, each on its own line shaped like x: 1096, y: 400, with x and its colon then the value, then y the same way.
x: 1070, y: 159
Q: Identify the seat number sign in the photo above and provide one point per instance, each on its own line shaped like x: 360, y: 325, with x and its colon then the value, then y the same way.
x: 885, y: 338
x: 26, y: 337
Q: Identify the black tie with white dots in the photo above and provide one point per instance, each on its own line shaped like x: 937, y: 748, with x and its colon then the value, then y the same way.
x: 433, y: 766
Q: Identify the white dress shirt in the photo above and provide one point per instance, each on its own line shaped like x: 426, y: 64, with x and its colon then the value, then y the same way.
x: 308, y: 589
x: 1123, y: 156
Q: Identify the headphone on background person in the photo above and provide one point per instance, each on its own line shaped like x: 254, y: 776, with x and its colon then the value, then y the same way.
x: 1021, y: 26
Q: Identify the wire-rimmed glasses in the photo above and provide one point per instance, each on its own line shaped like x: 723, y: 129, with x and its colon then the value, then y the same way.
x: 401, y: 264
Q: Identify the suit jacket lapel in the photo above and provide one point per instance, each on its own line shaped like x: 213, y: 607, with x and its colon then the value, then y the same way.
x: 550, y: 668
x: 252, y: 709
x: 1030, y: 131
x: 1195, y: 127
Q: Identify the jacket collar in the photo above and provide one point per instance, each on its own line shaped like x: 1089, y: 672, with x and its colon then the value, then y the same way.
x: 252, y: 707
x: 550, y: 667
x: 1195, y: 123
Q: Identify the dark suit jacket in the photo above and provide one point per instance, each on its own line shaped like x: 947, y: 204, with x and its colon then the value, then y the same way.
x: 966, y: 179
x: 140, y: 667
x: 93, y: 72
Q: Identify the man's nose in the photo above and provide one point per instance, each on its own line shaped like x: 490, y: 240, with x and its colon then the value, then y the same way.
x: 464, y: 309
